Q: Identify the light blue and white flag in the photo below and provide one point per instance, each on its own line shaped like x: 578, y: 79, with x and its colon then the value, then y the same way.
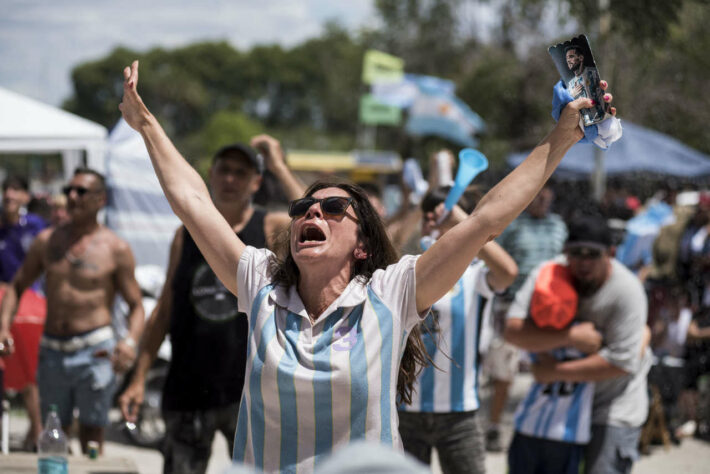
x: 445, y: 116
x: 404, y: 93
x: 433, y: 108
x: 641, y: 232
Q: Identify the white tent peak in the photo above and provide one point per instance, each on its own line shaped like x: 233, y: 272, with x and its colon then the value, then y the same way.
x: 22, y: 116
x: 30, y: 126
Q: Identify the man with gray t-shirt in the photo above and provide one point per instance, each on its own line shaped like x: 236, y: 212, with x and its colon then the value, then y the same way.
x: 611, y: 312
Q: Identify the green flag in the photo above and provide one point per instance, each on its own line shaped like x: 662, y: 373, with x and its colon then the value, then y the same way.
x: 375, y: 113
x: 379, y: 67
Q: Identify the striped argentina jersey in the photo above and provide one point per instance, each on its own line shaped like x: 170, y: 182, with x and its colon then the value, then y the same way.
x: 453, y: 346
x: 311, y: 387
x: 560, y: 411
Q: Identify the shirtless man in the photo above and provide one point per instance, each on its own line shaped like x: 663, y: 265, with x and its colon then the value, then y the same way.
x: 85, y: 265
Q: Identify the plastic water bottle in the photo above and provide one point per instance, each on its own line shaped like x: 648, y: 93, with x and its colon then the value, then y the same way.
x: 52, y: 446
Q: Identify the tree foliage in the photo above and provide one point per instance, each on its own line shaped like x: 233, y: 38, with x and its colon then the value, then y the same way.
x: 206, y: 94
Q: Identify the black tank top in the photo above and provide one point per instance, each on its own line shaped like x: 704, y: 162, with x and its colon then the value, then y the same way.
x: 207, y: 333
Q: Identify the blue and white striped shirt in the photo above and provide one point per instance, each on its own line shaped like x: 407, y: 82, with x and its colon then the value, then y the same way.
x: 311, y: 387
x: 560, y: 411
x: 453, y: 387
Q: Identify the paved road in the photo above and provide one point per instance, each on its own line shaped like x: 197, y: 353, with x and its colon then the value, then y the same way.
x: 691, y: 457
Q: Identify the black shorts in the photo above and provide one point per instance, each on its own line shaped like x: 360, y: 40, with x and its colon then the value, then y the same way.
x: 528, y: 455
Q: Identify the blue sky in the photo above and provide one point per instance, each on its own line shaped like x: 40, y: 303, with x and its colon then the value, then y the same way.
x: 41, y: 40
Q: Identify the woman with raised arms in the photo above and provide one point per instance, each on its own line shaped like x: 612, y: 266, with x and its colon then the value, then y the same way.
x: 333, y: 339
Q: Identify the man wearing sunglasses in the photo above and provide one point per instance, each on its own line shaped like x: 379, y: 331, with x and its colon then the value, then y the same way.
x: 85, y: 265
x: 207, y: 333
x: 611, y: 312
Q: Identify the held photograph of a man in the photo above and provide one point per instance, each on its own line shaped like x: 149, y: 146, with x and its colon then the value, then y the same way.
x: 575, y: 63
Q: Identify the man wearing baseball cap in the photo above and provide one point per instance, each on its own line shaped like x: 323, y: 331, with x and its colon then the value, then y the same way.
x: 611, y: 330
x: 207, y: 333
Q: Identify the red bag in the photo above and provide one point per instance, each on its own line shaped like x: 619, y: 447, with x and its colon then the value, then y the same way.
x: 554, y: 300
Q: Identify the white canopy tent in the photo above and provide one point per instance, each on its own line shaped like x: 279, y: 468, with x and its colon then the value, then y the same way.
x: 137, y: 210
x: 29, y: 126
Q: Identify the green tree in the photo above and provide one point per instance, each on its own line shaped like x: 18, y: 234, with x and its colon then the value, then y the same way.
x: 425, y: 33
x: 221, y: 129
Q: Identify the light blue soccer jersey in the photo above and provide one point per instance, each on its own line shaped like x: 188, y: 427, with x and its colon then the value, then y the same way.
x: 560, y: 411
x: 452, y: 384
x: 312, y: 386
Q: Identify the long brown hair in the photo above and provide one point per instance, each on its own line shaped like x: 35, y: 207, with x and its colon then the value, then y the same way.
x: 380, y: 254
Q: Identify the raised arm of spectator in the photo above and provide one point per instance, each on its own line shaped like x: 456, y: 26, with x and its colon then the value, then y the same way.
x: 184, y: 188
x: 275, y: 161
x: 434, y: 177
x: 502, y: 269
x: 438, y: 269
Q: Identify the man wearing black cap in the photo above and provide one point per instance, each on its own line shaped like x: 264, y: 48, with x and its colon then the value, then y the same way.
x: 612, y: 301
x: 208, y: 335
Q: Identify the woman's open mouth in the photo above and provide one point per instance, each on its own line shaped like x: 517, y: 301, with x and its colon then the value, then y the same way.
x: 311, y: 233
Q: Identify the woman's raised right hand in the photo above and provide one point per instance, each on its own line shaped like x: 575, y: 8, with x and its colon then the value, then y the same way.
x: 134, y: 111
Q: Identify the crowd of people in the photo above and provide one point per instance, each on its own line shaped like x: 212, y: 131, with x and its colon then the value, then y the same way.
x: 298, y: 333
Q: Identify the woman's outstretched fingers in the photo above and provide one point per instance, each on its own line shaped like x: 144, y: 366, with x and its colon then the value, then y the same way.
x: 130, y: 75
x: 608, y: 97
x: 134, y: 72
x: 132, y: 107
x: 603, y: 85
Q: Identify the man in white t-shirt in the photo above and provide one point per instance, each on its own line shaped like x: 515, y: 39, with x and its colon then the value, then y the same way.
x: 612, y: 302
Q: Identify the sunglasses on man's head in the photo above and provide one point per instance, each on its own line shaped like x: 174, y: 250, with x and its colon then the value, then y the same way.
x: 80, y: 190
x: 584, y: 252
x: 332, y: 206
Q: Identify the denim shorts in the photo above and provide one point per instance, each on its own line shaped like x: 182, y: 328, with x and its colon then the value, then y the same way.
x: 77, y: 379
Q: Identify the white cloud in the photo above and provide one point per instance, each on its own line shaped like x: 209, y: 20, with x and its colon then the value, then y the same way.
x: 41, y: 40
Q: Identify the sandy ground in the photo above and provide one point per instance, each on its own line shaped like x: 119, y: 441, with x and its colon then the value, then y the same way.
x: 691, y: 457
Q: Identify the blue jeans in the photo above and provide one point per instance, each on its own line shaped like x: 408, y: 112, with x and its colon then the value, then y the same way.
x: 612, y: 450
x: 457, y: 437
x: 77, y: 379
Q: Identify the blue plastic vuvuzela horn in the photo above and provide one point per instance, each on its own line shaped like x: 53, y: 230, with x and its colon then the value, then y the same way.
x: 471, y: 163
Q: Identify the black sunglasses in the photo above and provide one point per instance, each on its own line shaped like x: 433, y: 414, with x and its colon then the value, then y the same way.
x: 332, y: 206
x: 584, y: 252
x: 80, y: 190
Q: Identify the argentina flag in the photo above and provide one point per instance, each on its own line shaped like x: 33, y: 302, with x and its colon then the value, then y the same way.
x: 433, y: 108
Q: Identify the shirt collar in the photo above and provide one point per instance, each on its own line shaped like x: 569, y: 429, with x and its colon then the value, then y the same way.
x: 287, y: 297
